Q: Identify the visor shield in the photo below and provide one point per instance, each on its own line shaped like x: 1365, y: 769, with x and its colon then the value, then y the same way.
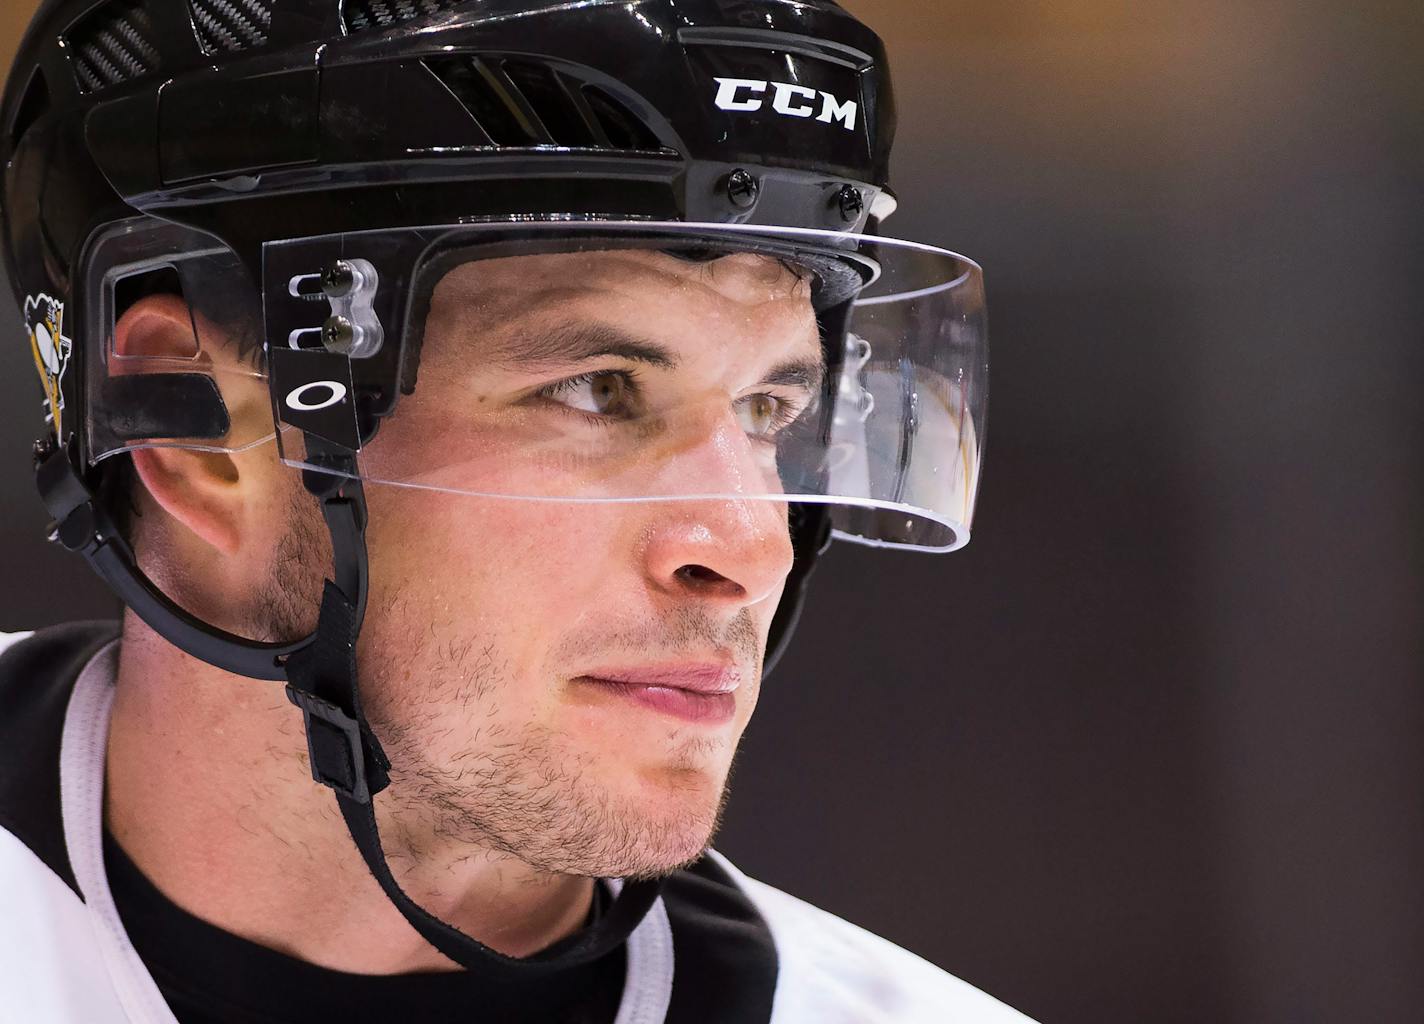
x: 643, y: 362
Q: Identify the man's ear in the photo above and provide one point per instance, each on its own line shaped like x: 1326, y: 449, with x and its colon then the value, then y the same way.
x: 198, y: 489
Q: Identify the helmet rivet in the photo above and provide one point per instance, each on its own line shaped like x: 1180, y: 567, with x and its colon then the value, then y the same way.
x: 338, y: 280
x: 338, y: 334
x: 742, y: 189
x: 852, y: 203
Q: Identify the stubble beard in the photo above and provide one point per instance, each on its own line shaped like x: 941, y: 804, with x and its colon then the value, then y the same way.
x: 524, y: 791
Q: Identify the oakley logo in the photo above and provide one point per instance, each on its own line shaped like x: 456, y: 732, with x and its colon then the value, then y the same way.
x: 749, y: 94
x: 327, y: 393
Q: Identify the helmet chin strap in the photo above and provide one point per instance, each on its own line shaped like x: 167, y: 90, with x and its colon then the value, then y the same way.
x: 322, y: 681
x: 347, y: 757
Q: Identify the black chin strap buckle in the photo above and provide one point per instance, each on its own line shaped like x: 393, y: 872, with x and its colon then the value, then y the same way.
x: 344, y: 755
x: 321, y: 677
x: 65, y: 496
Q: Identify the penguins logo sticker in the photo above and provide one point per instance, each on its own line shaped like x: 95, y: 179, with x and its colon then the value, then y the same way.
x: 44, y: 319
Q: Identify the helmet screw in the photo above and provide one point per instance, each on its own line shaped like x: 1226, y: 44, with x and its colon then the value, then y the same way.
x: 338, y: 280
x: 852, y: 203
x: 742, y: 189
x: 338, y: 335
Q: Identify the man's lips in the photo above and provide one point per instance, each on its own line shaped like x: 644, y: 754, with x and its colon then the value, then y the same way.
x: 696, y: 677
x: 701, y: 693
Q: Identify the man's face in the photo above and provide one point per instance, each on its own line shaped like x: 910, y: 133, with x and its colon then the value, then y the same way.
x: 498, y: 627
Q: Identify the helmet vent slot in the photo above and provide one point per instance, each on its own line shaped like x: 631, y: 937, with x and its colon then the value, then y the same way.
x: 227, y: 26
x: 519, y: 103
x: 113, y: 44
x: 549, y: 102
x: 491, y: 99
x: 620, y: 126
x: 360, y: 15
x: 33, y: 106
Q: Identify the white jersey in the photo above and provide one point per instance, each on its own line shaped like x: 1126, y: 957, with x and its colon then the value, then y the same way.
x: 740, y: 950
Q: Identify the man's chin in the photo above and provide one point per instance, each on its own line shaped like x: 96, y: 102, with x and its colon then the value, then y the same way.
x: 660, y: 832
x: 658, y: 862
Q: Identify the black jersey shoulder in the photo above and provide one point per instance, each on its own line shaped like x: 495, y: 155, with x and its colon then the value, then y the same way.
x: 37, y: 675
x: 726, y: 959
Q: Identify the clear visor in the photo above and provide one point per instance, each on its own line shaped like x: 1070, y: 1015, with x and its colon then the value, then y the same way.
x: 633, y: 362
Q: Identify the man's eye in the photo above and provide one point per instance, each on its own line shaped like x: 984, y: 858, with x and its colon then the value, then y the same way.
x: 609, y: 393
x: 763, y: 415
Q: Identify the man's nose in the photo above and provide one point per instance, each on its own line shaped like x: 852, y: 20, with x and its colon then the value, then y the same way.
x: 734, y: 548
x: 735, y: 552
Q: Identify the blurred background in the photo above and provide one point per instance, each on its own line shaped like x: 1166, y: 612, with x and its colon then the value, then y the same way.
x: 1151, y: 748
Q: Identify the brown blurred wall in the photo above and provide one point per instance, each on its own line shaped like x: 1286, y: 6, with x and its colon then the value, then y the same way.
x: 1149, y: 750
x: 14, y: 16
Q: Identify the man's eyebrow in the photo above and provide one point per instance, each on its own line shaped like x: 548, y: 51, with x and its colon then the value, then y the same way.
x: 576, y: 342
x: 807, y: 374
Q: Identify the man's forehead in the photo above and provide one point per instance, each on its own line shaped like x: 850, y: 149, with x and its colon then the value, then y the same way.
x: 518, y: 285
x: 559, y: 308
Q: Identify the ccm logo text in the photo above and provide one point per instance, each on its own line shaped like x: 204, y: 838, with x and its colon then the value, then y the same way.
x: 786, y: 99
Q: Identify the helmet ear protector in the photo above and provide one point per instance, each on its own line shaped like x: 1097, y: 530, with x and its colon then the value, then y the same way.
x: 278, y: 182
